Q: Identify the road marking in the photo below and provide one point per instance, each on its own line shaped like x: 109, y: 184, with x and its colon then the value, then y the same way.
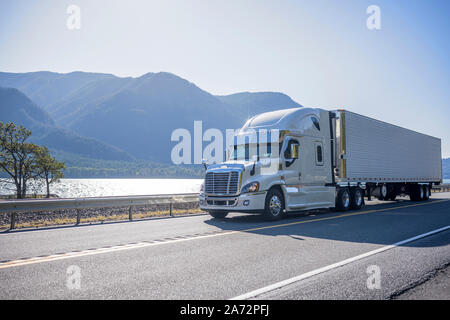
x: 90, y: 252
x: 144, y: 244
x: 278, y: 285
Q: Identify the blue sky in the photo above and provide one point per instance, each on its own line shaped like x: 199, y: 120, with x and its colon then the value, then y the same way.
x: 319, y: 52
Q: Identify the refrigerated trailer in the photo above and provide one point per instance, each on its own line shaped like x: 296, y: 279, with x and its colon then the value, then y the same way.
x: 306, y: 158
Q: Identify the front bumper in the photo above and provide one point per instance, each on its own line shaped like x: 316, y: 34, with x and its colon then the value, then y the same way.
x: 245, y: 202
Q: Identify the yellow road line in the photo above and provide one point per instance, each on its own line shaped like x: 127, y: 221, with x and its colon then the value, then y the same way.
x: 22, y: 262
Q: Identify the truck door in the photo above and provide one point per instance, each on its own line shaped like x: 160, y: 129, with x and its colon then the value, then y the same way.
x: 291, y: 168
x: 306, y: 176
x: 314, y: 175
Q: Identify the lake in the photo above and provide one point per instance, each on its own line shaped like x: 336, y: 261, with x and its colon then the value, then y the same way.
x: 74, y: 188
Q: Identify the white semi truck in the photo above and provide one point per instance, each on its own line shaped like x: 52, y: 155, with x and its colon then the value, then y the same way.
x: 304, y: 158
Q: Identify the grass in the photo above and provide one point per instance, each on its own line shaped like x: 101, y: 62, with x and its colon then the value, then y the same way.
x: 100, y: 218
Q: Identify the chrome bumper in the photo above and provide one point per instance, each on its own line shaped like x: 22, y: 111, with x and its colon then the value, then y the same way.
x: 243, y: 202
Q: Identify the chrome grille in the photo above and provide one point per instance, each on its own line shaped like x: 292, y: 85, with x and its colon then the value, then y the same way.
x: 222, y: 183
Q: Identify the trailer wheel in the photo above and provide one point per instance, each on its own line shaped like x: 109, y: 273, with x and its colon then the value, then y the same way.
x: 218, y: 214
x: 356, y: 198
x: 416, y: 192
x: 383, y: 192
x: 274, y: 207
x: 427, y: 193
x: 392, y: 192
x: 343, y: 199
x: 421, y: 193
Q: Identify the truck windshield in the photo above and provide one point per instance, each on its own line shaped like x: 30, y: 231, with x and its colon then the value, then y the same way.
x: 248, y: 151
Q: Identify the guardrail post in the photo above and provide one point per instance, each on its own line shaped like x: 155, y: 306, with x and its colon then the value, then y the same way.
x: 78, y: 217
x: 130, y: 213
x: 13, y: 221
x: 171, y: 209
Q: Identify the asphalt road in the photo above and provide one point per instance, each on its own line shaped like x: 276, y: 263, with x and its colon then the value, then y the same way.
x: 197, y: 257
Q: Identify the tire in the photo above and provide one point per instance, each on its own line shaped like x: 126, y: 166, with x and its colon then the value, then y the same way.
x: 343, y: 199
x: 356, y: 198
x: 383, y: 192
x: 421, y: 193
x: 427, y: 193
x: 218, y: 214
x: 274, y: 205
x: 392, y: 193
x: 414, y: 192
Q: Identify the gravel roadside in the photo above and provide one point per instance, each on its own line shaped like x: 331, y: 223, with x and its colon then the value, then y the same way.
x: 62, y: 217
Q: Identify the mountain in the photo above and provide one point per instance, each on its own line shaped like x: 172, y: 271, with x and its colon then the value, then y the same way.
x: 138, y: 115
x: 18, y: 108
x: 46, y: 88
x: 86, y: 98
x: 141, y: 116
x: 248, y: 104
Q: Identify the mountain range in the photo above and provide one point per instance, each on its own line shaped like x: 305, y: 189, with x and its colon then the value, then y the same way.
x: 121, y: 126
x: 103, y: 116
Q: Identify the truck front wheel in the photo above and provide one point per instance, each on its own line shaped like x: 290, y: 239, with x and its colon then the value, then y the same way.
x: 218, y: 214
x: 274, y: 206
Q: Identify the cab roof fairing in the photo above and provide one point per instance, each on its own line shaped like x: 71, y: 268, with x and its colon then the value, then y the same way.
x: 282, y: 120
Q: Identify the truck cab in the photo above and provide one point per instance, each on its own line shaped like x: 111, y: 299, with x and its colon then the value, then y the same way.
x: 280, y: 161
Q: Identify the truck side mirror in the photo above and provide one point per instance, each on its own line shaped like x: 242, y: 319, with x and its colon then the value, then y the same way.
x: 205, y: 163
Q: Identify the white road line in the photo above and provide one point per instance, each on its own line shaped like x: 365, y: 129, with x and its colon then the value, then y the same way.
x: 278, y: 285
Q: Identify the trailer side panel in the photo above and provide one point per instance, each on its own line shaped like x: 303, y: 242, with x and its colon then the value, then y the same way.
x: 376, y: 151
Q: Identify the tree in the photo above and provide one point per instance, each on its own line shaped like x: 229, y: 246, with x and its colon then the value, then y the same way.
x: 49, y: 168
x: 18, y: 157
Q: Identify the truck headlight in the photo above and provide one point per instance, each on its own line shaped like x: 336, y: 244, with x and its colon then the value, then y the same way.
x: 202, y: 188
x: 251, y: 187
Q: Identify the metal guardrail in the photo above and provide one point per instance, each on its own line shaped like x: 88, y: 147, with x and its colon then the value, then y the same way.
x: 17, y: 206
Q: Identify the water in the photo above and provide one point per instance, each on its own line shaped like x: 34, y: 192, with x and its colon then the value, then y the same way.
x: 74, y: 188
